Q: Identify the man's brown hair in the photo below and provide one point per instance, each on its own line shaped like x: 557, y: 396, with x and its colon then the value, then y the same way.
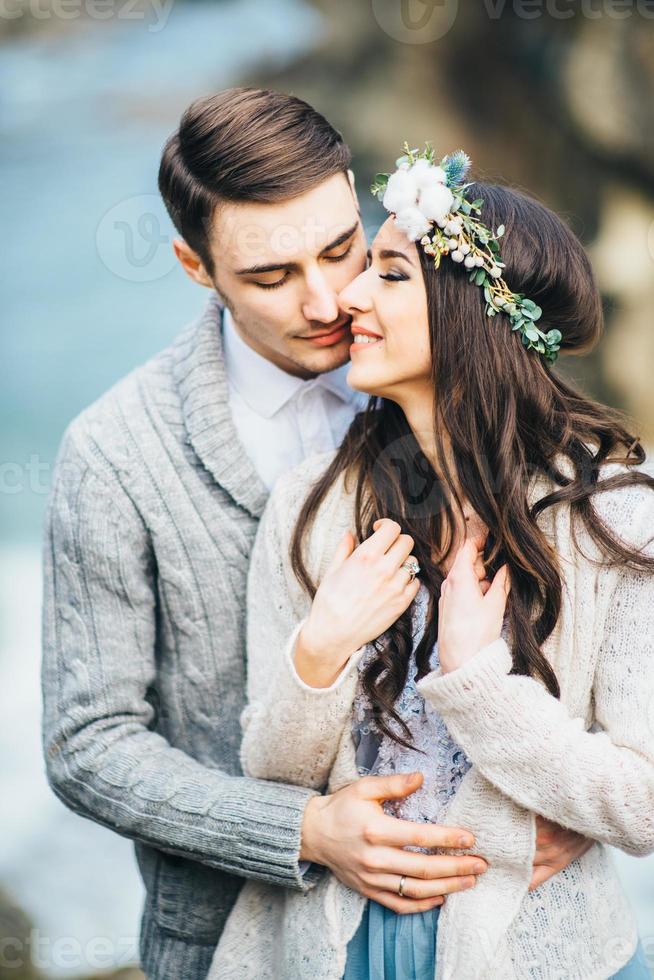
x: 244, y: 144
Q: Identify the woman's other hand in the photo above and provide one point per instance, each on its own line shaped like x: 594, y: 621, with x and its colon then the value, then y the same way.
x: 470, y: 610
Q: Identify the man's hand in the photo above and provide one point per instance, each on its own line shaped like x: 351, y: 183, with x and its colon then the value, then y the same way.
x: 349, y: 833
x: 556, y: 847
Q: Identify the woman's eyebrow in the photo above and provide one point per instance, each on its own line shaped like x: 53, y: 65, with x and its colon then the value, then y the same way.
x: 390, y: 253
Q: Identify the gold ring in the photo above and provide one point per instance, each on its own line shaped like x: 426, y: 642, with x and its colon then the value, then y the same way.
x: 400, y: 890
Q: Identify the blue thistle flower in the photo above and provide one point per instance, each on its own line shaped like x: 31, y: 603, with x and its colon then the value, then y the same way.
x: 456, y: 166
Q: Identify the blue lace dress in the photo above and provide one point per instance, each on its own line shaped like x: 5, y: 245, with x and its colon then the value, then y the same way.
x: 388, y: 946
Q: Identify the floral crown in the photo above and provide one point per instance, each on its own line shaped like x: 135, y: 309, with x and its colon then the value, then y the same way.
x: 429, y: 204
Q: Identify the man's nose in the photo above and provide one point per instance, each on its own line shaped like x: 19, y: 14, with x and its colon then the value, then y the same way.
x: 320, y: 301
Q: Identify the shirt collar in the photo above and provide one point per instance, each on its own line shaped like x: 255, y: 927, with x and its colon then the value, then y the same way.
x: 264, y: 386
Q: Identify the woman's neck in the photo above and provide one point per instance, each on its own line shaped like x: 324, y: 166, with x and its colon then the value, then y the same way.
x: 419, y: 409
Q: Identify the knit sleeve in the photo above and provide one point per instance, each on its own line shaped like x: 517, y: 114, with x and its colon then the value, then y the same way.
x: 525, y: 742
x: 104, y: 758
x: 291, y: 731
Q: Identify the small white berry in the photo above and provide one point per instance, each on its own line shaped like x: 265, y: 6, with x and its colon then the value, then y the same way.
x: 479, y: 261
x: 465, y: 248
x: 457, y: 255
x: 496, y: 272
x: 441, y: 222
x: 452, y: 243
x: 469, y: 262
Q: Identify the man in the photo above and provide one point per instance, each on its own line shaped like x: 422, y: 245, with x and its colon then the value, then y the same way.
x: 157, y: 494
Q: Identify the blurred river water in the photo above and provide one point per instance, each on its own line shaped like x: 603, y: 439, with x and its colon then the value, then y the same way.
x: 83, y: 115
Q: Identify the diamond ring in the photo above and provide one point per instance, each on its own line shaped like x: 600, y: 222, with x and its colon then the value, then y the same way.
x: 412, y: 567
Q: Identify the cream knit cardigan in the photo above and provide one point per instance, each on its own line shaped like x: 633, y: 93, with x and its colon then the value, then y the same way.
x: 530, y: 753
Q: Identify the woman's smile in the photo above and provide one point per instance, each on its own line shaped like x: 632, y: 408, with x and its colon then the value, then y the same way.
x: 364, y: 339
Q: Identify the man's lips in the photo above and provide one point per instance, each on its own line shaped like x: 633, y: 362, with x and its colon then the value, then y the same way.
x: 335, y: 335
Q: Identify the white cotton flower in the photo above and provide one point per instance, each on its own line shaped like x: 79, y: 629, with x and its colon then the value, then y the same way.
x: 401, y: 192
x: 413, y: 222
x: 435, y: 201
x: 426, y: 174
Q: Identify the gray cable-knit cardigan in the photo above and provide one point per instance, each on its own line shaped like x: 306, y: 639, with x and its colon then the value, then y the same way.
x: 148, y: 535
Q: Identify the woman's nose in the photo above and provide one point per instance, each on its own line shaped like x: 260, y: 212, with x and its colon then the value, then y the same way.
x: 354, y: 297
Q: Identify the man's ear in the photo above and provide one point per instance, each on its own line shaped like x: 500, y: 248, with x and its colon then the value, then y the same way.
x: 350, y: 177
x: 191, y: 263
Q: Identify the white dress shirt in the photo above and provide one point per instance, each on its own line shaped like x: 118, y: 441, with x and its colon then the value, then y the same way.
x: 281, y: 419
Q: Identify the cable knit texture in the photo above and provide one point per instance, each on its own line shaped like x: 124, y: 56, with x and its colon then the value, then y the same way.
x: 149, y: 530
x: 585, y: 761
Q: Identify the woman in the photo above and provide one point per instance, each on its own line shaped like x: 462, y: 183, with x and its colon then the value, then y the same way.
x: 515, y: 671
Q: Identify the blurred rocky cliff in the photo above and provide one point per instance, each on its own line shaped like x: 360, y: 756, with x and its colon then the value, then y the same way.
x: 562, y: 107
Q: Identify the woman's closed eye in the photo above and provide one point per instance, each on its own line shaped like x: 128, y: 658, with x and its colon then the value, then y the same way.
x: 395, y: 275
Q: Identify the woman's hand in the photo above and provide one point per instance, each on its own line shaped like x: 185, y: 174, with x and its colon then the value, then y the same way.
x: 470, y: 612
x: 364, y: 591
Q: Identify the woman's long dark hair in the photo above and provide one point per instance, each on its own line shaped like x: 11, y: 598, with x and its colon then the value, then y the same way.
x: 506, y: 414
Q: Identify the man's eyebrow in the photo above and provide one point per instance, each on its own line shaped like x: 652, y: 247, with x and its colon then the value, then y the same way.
x: 343, y: 237
x: 279, y: 266
x: 390, y: 253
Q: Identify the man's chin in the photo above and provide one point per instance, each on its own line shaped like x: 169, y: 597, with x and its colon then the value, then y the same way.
x: 320, y: 360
